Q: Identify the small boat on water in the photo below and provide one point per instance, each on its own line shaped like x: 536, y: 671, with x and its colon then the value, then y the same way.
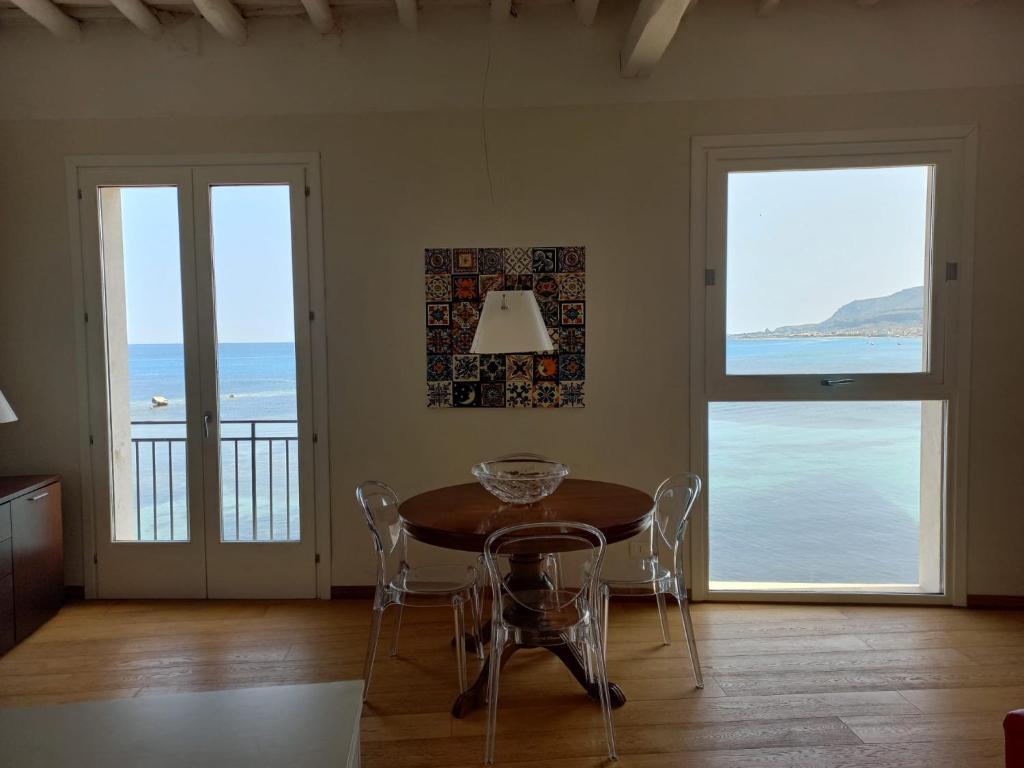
x: 159, y: 401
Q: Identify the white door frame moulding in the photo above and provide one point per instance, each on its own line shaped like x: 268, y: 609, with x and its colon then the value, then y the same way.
x: 310, y: 161
x: 957, y: 339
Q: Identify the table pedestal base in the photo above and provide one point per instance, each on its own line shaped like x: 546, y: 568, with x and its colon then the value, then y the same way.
x: 475, y: 696
x: 527, y: 571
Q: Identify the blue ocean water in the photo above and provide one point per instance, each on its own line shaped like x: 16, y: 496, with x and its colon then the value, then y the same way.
x: 257, y: 381
x: 803, y: 492
x: 830, y: 354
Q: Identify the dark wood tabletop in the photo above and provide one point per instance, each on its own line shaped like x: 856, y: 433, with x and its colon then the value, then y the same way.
x: 463, y: 516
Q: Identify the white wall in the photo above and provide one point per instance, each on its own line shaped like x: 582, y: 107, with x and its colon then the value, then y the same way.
x: 578, y: 155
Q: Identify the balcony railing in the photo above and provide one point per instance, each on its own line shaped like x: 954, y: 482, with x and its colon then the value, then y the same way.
x: 259, y: 488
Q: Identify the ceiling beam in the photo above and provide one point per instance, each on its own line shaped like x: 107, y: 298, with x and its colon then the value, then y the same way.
x: 319, y: 12
x: 224, y: 18
x: 408, y: 13
x: 765, y: 7
x: 139, y: 14
x: 51, y: 17
x: 586, y: 10
x: 501, y: 9
x: 653, y: 28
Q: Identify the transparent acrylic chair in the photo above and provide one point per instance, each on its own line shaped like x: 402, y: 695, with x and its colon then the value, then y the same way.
x: 528, y: 611
x: 673, y: 503
x: 400, y: 585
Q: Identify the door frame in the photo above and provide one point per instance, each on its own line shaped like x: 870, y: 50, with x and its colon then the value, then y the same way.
x: 961, y: 141
x: 90, y: 480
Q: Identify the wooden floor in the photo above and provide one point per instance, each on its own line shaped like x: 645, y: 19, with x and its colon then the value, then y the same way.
x: 794, y: 686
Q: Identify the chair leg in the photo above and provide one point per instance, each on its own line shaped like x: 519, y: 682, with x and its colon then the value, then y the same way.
x: 460, y: 642
x: 493, y: 673
x: 602, y: 685
x: 475, y: 609
x: 606, y: 600
x: 588, y: 655
x: 691, y: 641
x: 398, y: 626
x: 666, y: 637
x: 371, y: 650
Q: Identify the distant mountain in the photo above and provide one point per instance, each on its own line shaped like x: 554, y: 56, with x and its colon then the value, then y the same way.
x: 901, y: 314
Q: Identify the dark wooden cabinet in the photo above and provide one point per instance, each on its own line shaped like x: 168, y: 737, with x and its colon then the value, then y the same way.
x: 31, y: 555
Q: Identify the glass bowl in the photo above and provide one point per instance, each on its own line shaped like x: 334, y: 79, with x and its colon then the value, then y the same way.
x: 522, y: 478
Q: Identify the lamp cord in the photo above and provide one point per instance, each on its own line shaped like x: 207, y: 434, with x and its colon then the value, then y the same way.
x: 483, y: 116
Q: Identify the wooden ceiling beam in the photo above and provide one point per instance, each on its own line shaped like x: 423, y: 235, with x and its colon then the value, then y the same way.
x: 408, y: 13
x: 320, y: 15
x: 224, y: 18
x: 653, y: 28
x: 51, y: 17
x: 139, y: 14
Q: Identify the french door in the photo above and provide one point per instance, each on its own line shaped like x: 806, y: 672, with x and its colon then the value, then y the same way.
x: 196, y: 285
x: 828, y: 393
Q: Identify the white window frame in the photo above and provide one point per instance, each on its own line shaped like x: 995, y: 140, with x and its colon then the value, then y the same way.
x: 91, y: 483
x: 952, y: 151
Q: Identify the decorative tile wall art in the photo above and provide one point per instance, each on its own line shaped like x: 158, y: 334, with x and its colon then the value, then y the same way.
x: 457, y: 281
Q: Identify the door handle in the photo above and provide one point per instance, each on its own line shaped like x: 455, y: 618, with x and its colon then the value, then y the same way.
x: 39, y: 496
x: 835, y: 382
x: 207, y: 418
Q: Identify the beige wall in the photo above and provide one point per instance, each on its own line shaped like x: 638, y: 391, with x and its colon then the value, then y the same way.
x: 577, y: 156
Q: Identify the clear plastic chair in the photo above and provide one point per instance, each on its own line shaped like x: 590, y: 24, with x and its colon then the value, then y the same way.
x: 673, y: 502
x: 400, y: 585
x: 528, y: 611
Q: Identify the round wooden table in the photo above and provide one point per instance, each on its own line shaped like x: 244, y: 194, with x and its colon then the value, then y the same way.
x: 463, y: 516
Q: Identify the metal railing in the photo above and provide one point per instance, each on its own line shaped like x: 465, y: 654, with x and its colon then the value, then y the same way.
x: 258, y: 480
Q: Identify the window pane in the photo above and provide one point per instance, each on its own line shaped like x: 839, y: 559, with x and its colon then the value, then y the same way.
x: 252, y: 254
x: 146, y: 359
x: 826, y: 271
x: 815, y: 495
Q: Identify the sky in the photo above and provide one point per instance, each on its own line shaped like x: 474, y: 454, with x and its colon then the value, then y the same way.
x: 800, y: 244
x: 252, y: 264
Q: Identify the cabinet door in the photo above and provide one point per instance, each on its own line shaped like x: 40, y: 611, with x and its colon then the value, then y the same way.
x: 38, y: 559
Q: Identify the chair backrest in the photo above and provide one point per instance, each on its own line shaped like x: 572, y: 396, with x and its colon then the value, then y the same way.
x: 542, y: 539
x: 673, y: 502
x: 380, y: 506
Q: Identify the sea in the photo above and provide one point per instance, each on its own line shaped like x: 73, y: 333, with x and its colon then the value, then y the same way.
x: 798, y: 492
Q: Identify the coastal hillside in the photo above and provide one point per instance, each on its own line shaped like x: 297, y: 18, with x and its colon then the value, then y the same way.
x: 900, y: 314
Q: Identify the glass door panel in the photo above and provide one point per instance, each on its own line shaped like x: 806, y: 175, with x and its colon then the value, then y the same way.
x: 257, y: 397
x: 252, y: 262
x: 142, y: 269
x: 148, y: 319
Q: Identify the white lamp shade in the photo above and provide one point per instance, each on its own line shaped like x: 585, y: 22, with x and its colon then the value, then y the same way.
x: 6, y: 412
x: 510, y: 323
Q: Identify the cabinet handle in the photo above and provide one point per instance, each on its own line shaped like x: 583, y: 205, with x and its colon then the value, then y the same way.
x: 39, y: 496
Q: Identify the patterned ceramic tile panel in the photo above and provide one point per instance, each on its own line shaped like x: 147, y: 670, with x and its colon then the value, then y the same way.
x: 457, y: 281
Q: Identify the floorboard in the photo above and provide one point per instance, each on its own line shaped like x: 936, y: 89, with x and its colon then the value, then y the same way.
x: 786, y: 685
